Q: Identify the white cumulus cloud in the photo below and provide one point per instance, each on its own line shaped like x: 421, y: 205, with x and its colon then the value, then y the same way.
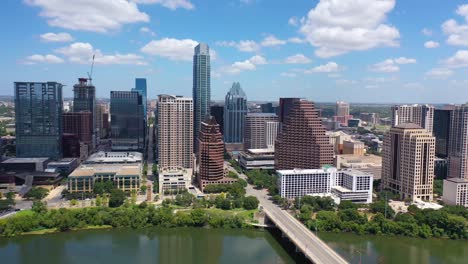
x: 56, y: 37
x: 173, y: 49
x: 272, y: 41
x: 458, y: 60
x: 431, y: 44
x: 457, y: 33
x: 439, y: 73
x: 293, y: 21
x: 86, y: 15
x: 148, y: 31
x: 82, y: 53
x: 338, y: 27
x: 297, y: 59
x: 243, y: 45
x: 326, y: 68
x: 391, y: 65
x: 37, y: 58
x: 171, y: 4
x: 247, y: 65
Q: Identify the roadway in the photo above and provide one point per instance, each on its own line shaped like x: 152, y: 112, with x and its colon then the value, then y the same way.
x: 304, y: 239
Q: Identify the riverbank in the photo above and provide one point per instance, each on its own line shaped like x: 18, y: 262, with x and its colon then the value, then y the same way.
x: 42, y: 221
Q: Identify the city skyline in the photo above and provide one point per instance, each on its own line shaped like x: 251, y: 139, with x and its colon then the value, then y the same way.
x: 279, y: 56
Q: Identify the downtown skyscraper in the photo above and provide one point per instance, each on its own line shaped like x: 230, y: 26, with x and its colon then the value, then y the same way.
x: 127, y: 123
x: 175, y: 132
x: 84, y: 100
x: 421, y: 115
x: 201, y: 87
x: 458, y: 143
x: 302, y: 142
x: 140, y: 86
x: 408, y: 162
x: 38, y: 115
x: 235, y: 109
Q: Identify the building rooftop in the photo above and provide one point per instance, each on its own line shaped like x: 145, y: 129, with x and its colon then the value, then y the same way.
x: 91, y: 169
x: 24, y: 160
x: 457, y: 180
x: 65, y: 161
x: 408, y: 126
x: 114, y: 157
x: 262, y: 114
x: 349, y: 159
x: 261, y: 151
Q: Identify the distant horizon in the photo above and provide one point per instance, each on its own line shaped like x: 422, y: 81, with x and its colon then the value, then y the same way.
x: 277, y: 101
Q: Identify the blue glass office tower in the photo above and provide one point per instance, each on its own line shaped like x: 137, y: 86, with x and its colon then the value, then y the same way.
x: 127, y: 123
x: 235, y: 109
x: 201, y: 88
x: 140, y: 86
x: 38, y: 110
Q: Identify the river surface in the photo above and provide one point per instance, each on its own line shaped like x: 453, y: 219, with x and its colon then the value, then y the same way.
x: 398, y: 250
x: 192, y: 245
x: 115, y: 246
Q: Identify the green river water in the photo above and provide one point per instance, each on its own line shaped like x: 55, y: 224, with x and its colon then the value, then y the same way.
x: 191, y: 245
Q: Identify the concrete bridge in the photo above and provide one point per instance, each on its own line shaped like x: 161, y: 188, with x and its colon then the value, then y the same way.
x: 305, y: 240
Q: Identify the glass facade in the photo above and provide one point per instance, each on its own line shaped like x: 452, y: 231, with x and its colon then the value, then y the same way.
x: 201, y: 87
x: 235, y: 109
x: 140, y: 86
x: 127, y: 124
x: 38, y: 108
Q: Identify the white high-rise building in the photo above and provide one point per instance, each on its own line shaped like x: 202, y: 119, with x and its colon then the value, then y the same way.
x: 421, y: 115
x: 271, y: 131
x: 352, y: 185
x: 408, y: 162
x: 175, y: 132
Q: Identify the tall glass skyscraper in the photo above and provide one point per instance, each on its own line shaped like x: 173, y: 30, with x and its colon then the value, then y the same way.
x: 38, y: 110
x: 127, y: 124
x: 140, y: 86
x: 201, y: 87
x: 235, y: 109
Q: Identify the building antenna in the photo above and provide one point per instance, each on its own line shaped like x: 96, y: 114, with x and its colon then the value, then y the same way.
x: 90, y: 74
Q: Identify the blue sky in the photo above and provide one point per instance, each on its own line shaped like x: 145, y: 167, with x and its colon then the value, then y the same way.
x: 327, y: 50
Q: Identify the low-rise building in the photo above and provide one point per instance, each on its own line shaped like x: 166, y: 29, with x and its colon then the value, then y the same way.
x: 455, y: 191
x: 174, y: 179
x: 24, y: 164
x: 353, y: 147
x: 66, y: 165
x: 257, y: 159
x: 125, y: 177
x: 371, y: 164
x: 352, y: 185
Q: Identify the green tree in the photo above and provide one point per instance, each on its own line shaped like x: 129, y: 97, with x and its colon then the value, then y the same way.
x: 37, y: 193
x: 250, y: 202
x: 143, y: 189
x: 39, y: 207
x: 117, y: 198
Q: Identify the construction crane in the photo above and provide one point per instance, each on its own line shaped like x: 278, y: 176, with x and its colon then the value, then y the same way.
x: 90, y: 74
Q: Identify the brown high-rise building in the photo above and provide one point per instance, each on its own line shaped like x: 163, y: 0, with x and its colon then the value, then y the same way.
x: 79, y: 123
x: 302, y: 142
x: 285, y: 106
x: 211, y: 154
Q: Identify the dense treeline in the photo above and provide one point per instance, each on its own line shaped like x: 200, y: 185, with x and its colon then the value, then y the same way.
x: 263, y: 179
x: 141, y: 216
x: 322, y: 215
x: 224, y: 201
